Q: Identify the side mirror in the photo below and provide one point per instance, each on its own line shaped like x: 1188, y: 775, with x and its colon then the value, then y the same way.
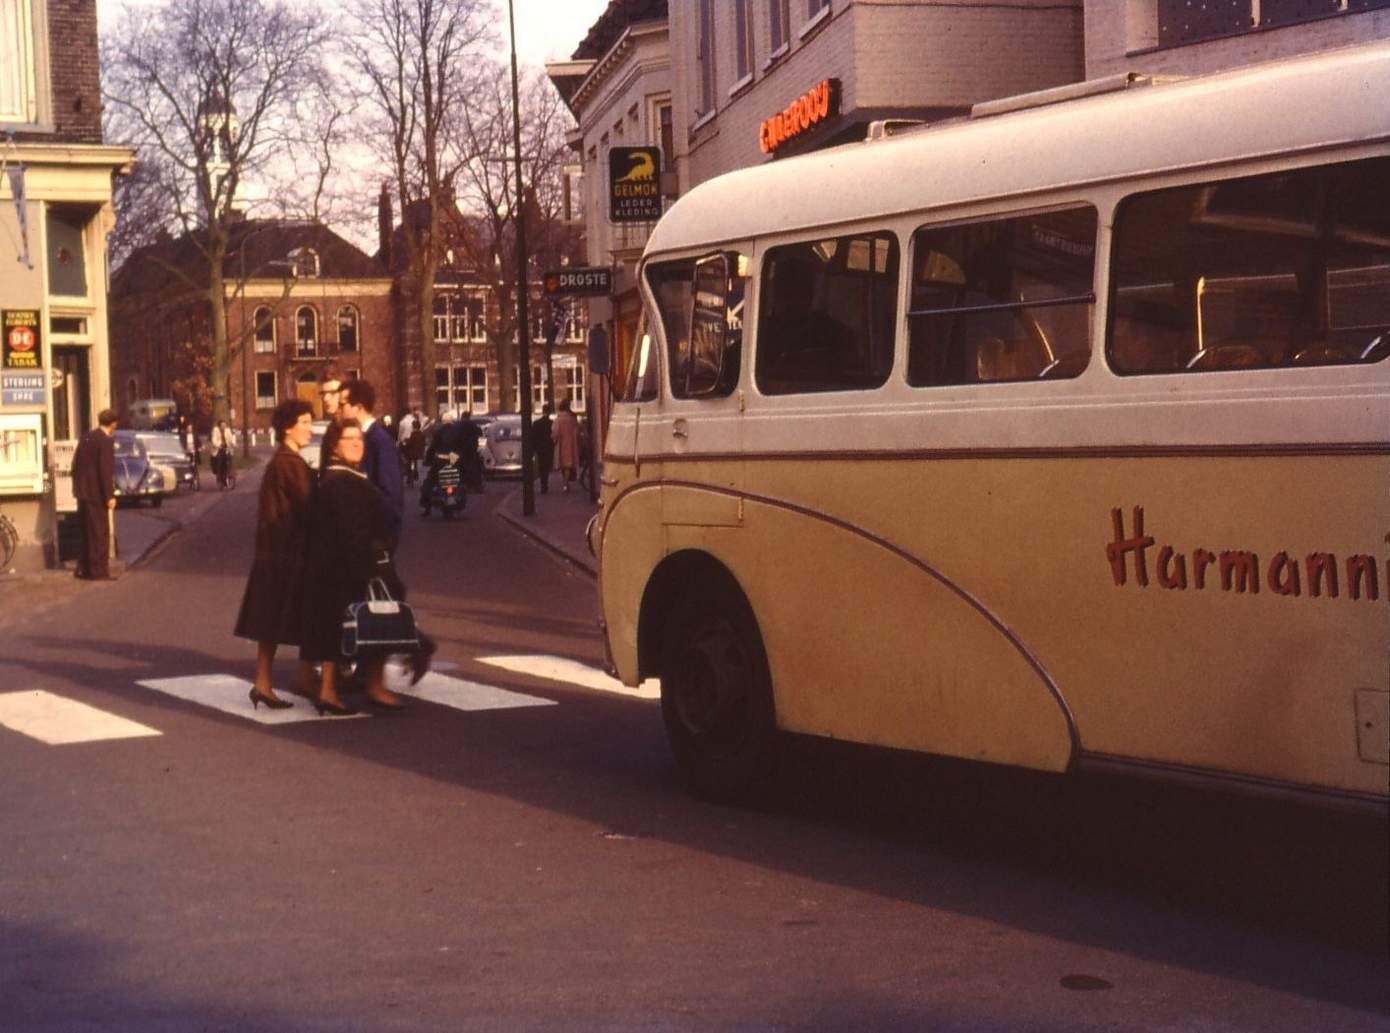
x: 715, y: 330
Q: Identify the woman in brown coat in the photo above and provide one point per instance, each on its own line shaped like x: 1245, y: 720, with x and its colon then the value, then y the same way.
x: 566, y: 434
x: 270, y: 609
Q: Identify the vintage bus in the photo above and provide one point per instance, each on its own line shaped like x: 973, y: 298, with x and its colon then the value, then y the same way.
x: 1054, y: 436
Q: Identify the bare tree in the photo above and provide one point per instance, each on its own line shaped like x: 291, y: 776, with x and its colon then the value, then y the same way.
x: 481, y: 133
x: 214, y: 93
x: 411, y: 59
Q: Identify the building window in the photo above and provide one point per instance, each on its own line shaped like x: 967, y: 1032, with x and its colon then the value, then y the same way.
x: 779, y: 20
x: 743, y: 38
x: 1182, y: 21
x: 306, y: 263
x: 569, y: 378
x: 705, y: 56
x: 461, y: 387
x: 18, y: 100
x: 540, y: 388
x: 477, y: 387
x: 67, y: 254
x: 441, y: 318
x: 814, y: 7
x: 306, y: 332
x: 265, y: 331
x: 667, y: 138
x: 265, y: 389
x: 347, y: 329
x: 477, y: 325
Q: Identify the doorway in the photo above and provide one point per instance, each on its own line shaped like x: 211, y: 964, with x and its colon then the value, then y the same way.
x: 72, y: 399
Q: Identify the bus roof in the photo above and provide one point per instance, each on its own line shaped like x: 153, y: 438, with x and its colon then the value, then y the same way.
x: 1299, y: 105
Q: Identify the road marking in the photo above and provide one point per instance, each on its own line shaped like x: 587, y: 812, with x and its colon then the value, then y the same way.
x: 572, y: 672
x: 229, y: 694
x: 58, y: 721
x: 470, y: 695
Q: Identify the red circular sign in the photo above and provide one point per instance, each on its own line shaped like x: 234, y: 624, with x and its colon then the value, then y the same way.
x: 22, y: 339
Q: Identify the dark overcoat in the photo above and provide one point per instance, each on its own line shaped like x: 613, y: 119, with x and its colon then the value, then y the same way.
x: 349, y: 544
x: 270, y: 609
x: 93, y: 467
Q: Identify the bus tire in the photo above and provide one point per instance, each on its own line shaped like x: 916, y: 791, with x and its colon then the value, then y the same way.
x: 716, y: 697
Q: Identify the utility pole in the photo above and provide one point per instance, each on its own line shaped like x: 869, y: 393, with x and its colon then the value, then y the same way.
x: 523, y: 323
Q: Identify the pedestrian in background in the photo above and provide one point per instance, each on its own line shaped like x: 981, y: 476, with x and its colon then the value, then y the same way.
x: 381, y: 463
x: 348, y: 547
x: 220, y: 442
x: 330, y: 398
x: 543, y: 448
x: 93, y: 484
x: 271, y: 605
x: 566, y: 434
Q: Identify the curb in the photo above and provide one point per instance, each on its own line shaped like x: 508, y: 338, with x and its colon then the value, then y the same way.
x: 585, y: 564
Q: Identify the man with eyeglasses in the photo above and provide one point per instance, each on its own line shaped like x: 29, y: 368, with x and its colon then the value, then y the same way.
x: 330, y: 394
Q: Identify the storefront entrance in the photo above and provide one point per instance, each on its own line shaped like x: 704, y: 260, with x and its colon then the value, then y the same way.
x: 72, y: 399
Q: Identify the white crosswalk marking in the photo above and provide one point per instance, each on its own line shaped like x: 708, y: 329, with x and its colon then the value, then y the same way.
x: 559, y: 668
x: 471, y: 695
x: 230, y: 695
x: 59, y: 721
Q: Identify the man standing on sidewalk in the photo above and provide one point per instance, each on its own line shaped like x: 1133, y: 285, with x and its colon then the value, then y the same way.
x: 93, y: 483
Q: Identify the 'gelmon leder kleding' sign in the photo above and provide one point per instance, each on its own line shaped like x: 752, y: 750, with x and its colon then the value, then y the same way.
x: 20, y: 343
x: 634, y: 184
x: 810, y: 109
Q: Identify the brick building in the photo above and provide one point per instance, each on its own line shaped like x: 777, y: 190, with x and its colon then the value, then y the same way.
x: 55, y: 214
x: 316, y: 305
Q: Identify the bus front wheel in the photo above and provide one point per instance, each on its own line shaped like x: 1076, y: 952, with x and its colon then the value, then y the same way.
x: 716, y: 697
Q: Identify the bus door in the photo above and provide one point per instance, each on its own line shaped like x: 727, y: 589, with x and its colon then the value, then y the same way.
x: 699, y: 428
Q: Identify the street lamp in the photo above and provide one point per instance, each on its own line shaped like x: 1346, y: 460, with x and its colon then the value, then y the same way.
x: 523, y: 327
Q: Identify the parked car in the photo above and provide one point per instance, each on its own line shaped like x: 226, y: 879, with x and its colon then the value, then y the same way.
x: 135, y: 477
x: 499, y: 447
x: 314, y: 448
x: 165, y: 449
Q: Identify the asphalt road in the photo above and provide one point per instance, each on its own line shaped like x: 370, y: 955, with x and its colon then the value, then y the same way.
x: 539, y: 868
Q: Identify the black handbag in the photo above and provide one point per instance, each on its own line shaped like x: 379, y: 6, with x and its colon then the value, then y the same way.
x: 379, y: 624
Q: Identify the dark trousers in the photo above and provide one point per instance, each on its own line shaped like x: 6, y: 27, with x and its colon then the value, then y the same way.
x: 96, y: 540
x: 544, y: 459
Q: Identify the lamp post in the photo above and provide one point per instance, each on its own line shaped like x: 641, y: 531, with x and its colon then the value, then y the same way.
x: 523, y: 327
x: 250, y: 341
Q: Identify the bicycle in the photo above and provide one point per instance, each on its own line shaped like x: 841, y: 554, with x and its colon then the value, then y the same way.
x: 9, y: 542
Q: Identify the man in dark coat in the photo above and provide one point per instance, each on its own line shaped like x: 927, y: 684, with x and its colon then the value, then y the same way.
x: 93, y: 484
x: 382, y: 463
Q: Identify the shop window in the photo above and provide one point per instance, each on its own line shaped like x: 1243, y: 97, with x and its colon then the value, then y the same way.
x: 265, y: 331
x: 828, y: 314
x: 67, y: 254
x: 1283, y: 270
x: 347, y: 329
x: 18, y: 71
x: 265, y: 389
x: 306, y: 332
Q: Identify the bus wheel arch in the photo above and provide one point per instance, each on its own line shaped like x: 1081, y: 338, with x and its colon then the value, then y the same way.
x: 698, y: 633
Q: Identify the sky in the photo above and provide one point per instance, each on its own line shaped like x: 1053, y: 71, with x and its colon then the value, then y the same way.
x: 546, y: 30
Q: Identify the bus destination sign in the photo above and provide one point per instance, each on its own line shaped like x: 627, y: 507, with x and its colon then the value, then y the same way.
x: 590, y: 281
x: 634, y: 184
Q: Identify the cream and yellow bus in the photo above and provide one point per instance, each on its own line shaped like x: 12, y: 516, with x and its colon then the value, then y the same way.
x: 1055, y: 436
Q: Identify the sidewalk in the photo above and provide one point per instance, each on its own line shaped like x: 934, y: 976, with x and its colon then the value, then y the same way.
x: 558, y: 524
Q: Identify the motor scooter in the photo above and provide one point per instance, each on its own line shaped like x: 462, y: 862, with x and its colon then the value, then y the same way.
x: 447, y: 492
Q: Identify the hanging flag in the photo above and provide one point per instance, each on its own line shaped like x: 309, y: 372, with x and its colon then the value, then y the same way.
x: 17, y: 192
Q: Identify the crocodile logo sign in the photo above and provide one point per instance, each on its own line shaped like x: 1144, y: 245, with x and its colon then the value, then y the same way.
x: 634, y: 184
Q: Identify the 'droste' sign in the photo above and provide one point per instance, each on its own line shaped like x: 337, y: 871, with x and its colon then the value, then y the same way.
x: 578, y: 280
x: 810, y: 109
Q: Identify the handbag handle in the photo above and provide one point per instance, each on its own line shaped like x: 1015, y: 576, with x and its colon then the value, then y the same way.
x: 377, y: 592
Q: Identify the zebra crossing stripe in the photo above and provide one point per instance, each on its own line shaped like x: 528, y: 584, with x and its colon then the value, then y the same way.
x: 231, y: 695
x: 470, y: 695
x: 572, y: 672
x: 59, y: 721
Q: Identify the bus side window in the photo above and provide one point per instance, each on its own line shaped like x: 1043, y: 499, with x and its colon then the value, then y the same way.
x: 827, y: 317
x: 1280, y: 270
x: 1003, y: 299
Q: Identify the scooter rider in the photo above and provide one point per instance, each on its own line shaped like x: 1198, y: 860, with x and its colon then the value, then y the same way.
x: 451, y: 438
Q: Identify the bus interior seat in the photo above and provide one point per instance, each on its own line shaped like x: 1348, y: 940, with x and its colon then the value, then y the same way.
x: 1229, y: 356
